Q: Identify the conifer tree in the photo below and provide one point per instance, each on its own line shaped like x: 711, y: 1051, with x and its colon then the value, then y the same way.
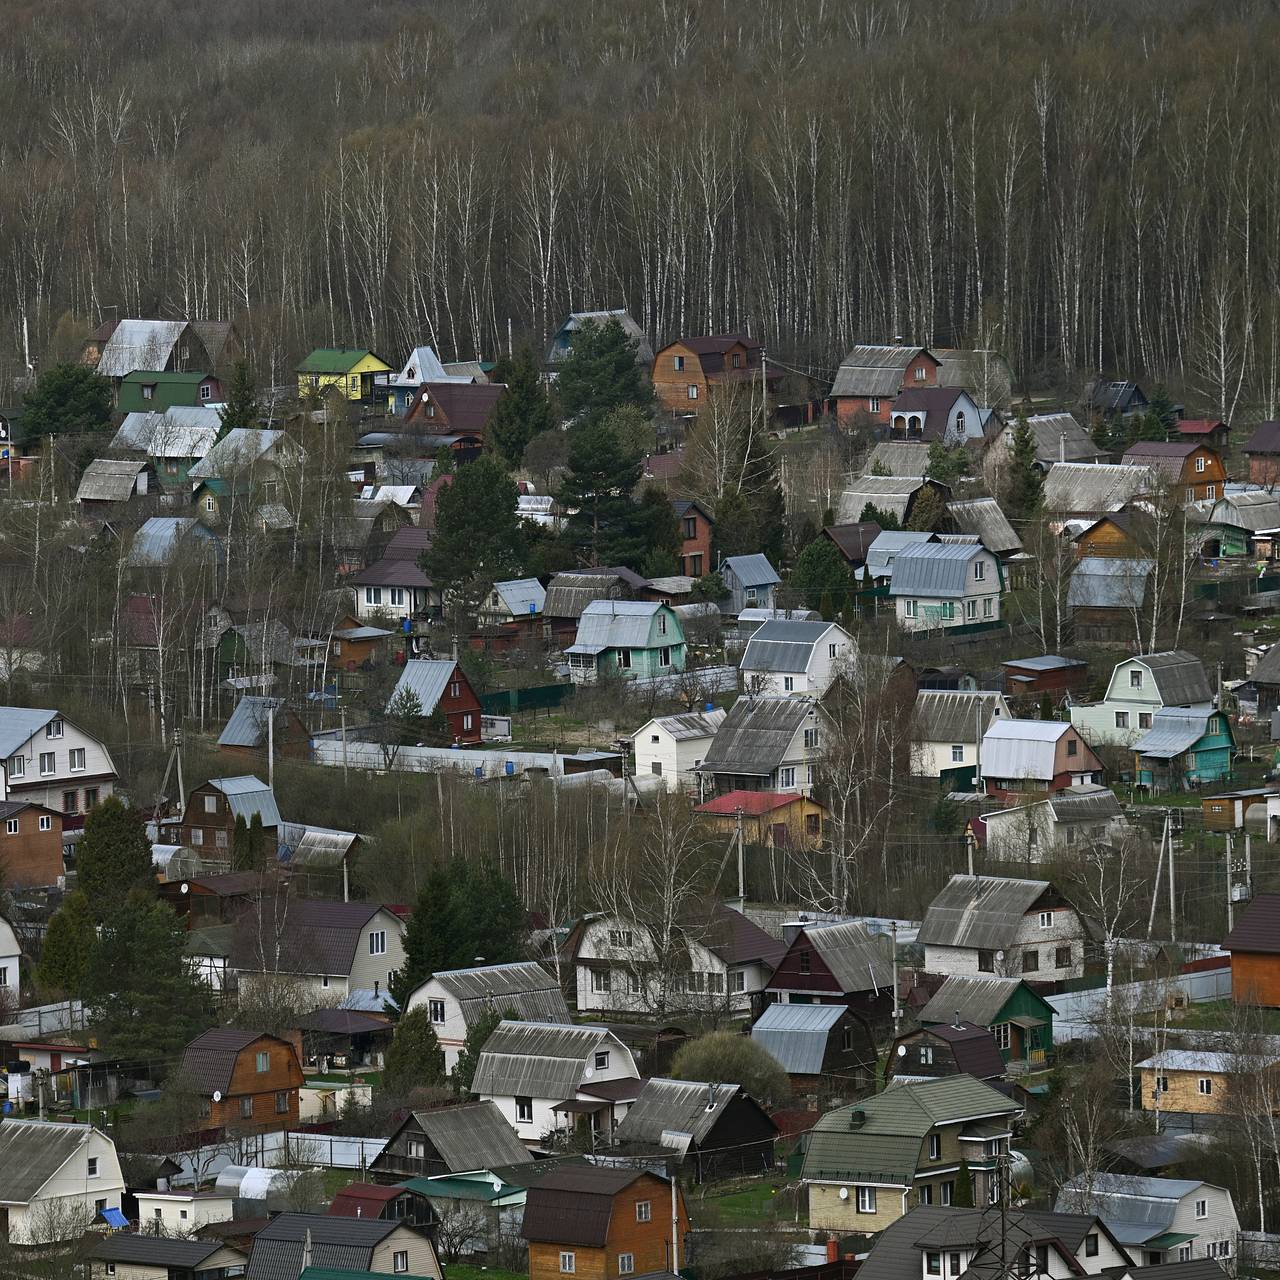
x: 415, y: 1059
x: 524, y: 408
x: 600, y: 374
x: 1024, y: 481
x: 64, y: 957
x: 240, y: 408
x: 113, y: 856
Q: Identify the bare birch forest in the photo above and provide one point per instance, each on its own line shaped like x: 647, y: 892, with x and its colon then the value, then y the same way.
x: 1078, y: 184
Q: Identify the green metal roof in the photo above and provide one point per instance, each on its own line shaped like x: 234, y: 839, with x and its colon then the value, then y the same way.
x: 459, y: 1188
x: 333, y: 360
x: 161, y: 376
x: 344, y: 1273
x: 1170, y: 1240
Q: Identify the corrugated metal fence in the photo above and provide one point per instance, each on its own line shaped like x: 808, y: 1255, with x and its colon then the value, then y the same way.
x: 1077, y: 1013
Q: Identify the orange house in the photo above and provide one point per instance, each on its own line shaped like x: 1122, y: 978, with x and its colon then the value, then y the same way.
x: 696, y: 527
x: 1190, y: 465
x: 684, y: 370
x: 246, y: 1080
x: 1110, y: 535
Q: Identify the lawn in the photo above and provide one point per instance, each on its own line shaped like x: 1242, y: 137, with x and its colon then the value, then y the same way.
x: 747, y: 1205
x: 459, y: 1271
x: 1216, y: 1015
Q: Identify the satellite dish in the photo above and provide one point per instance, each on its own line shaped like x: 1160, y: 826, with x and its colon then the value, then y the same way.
x: 186, y: 888
x: 844, y: 1193
x: 999, y: 955
x: 217, y: 1095
x: 590, y: 1072
x: 902, y: 1051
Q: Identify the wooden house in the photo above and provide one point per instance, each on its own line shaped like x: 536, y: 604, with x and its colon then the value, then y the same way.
x: 292, y: 1244
x: 156, y: 391
x: 1190, y: 466
x: 792, y: 657
x: 121, y: 347
x: 1036, y: 756
x: 1254, y: 945
x: 457, y: 413
x: 946, y: 415
x: 1108, y: 535
x: 628, y: 638
x: 1020, y: 1019
x: 1211, y: 431
x: 603, y: 1224
x: 823, y: 1048
x: 1263, y: 451
x: 939, y: 585
x: 1051, y: 673
x: 562, y: 340
x: 773, y: 820
x: 696, y: 529
x: 1085, y: 491
x: 109, y: 484
x: 1057, y: 437
x: 1185, y: 747
x: 892, y: 495
x: 259, y: 722
x: 209, y: 819
x: 841, y: 964
x: 1226, y: 811
x: 871, y: 377
x: 945, y: 1049
x: 685, y: 370
x: 1200, y: 1082
x: 356, y: 375
x: 853, y: 541
x: 764, y: 744
x: 671, y: 747
x: 449, y: 1139
x: 949, y: 724
x: 356, y: 646
x: 1140, y: 687
x: 1107, y: 398
x: 751, y: 581
x: 31, y: 846
x: 1238, y: 524
x: 1105, y: 595
x: 439, y: 685
x: 245, y: 1080
x: 369, y: 1201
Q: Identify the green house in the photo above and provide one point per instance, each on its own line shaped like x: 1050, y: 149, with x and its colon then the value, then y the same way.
x: 157, y: 391
x: 1020, y: 1019
x: 629, y: 638
x: 1185, y: 746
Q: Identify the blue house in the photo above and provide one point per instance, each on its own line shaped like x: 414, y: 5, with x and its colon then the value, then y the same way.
x: 752, y: 582
x: 1185, y: 747
x: 423, y: 365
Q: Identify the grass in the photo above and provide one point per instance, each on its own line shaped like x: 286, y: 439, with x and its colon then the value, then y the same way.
x: 1213, y: 1015
x: 460, y: 1271
x: 754, y: 1204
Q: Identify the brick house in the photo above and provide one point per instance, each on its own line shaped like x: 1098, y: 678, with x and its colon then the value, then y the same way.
x: 209, y: 820
x: 440, y: 684
x: 31, y: 846
x: 696, y: 528
x: 595, y: 1223
x: 245, y: 1079
x: 870, y: 378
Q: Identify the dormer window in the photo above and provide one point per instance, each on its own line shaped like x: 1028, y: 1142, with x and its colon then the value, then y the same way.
x: 979, y: 570
x: 919, y: 373
x: 53, y: 729
x: 1135, y: 679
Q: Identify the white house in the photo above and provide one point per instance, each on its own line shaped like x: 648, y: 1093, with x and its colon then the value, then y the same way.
x: 1138, y: 688
x: 794, y: 657
x: 529, y: 1068
x: 1066, y: 820
x: 49, y: 761
x: 764, y: 744
x: 1002, y: 926
x: 55, y: 1180
x: 673, y: 746
x: 179, y: 1213
x: 945, y: 584
x: 457, y: 998
x: 1158, y: 1220
x: 10, y: 965
x: 949, y: 724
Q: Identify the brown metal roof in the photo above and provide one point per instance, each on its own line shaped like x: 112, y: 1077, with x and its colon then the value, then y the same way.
x: 1265, y: 439
x: 574, y: 1205
x: 310, y: 935
x: 210, y: 1059
x: 466, y: 406
x: 853, y: 539
x: 1258, y: 929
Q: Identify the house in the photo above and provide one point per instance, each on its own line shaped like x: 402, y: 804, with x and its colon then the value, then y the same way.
x: 1157, y: 1219
x: 764, y: 744
x: 258, y: 723
x: 945, y: 584
x: 119, y: 348
x: 1035, y: 755
x: 387, y: 1204
x: 947, y: 415
x: 697, y: 525
x: 337, y: 1038
x: 174, y: 1213
x: 752, y: 583
x: 458, y: 998
x: 786, y: 658
x: 1265, y: 678
x: 685, y: 370
x: 1240, y: 523
x: 823, y: 1048
x: 1105, y: 398
x: 945, y: 1049
x: 245, y: 1080
x: 1184, y: 748
x: 1254, y: 945
x: 360, y: 538
x: 1138, y: 688
x: 456, y: 410
x: 842, y: 964
x: 1228, y: 810
x: 1057, y: 437
x: 357, y: 376
x: 56, y: 1180
x: 449, y: 1139
x: 31, y: 846
x: 530, y: 1068
x: 672, y: 747
x: 869, y: 1163
x: 898, y: 458
x: 568, y: 594
x: 774, y: 820
x: 1020, y: 1019
x: 853, y: 541
x: 626, y: 638
x: 936, y: 1240
x: 354, y: 646
x: 870, y: 377
x: 10, y: 966
x: 292, y: 1242
x: 209, y: 819
x: 1107, y: 594
x: 1263, y: 451
x: 161, y: 1257
x: 437, y: 686
x: 109, y: 483
x: 515, y: 603
x: 51, y: 762
x: 245, y: 469
x: 722, y: 1131
x: 718, y: 962
x: 1189, y: 466
x: 986, y: 373
x: 896, y: 496
x: 1043, y: 830
x: 174, y: 441
x: 1199, y: 1082
x: 1210, y: 431
x: 974, y: 918
x: 154, y: 391
x: 396, y: 587
x: 1051, y: 673
x: 423, y: 365
x: 949, y: 724
x: 337, y: 950
x: 983, y: 519
x: 603, y: 1223
x: 562, y: 340
x: 1110, y: 535
x: 164, y: 541
x: 1087, y: 490
x: 884, y: 551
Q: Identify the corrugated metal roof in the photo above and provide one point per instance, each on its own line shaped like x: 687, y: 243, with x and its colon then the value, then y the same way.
x: 795, y: 1035
x: 247, y: 796
x: 1179, y: 676
x: 752, y: 571
x: 17, y: 724
x: 756, y: 735
x: 523, y: 989
x: 181, y: 431
x: 425, y: 678
x: 885, y: 493
x: 1175, y: 730
x: 969, y: 999
x: 1014, y: 748
x: 1135, y: 1208
x: 472, y: 1136
x: 1207, y: 1060
x: 869, y: 370
x: 1079, y: 488
x: 539, y: 1059
x: 423, y: 365
x: 898, y: 458
x: 517, y: 594
x: 238, y: 449
x: 623, y: 624
x: 139, y: 344
x: 1258, y: 929
x: 687, y: 727
x: 979, y: 911
x: 247, y: 726
x: 109, y: 480
x: 160, y: 537
x: 306, y: 935
x: 784, y: 645
x: 31, y: 1152
x: 685, y: 1106
x: 884, y: 550
x: 301, y: 845
x: 983, y: 517
x: 859, y: 960
x: 1083, y: 804
x: 938, y: 570
x: 1108, y: 582
x: 956, y: 715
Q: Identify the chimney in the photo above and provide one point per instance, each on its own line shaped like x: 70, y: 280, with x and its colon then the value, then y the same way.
x: 711, y: 1097
x: 1062, y: 445
x: 857, y: 1118
x: 956, y: 1023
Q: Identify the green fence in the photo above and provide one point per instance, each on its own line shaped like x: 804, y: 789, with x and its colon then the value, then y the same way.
x: 506, y: 702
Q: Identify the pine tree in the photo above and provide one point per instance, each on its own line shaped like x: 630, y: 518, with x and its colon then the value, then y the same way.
x: 1024, y: 481
x: 600, y: 374
x: 428, y: 939
x: 928, y: 511
x: 257, y: 843
x: 241, y: 406
x: 736, y: 528
x: 962, y: 1195
x: 821, y: 570
x: 64, y: 957
x: 524, y: 409
x: 66, y: 399
x: 113, y: 856
x: 871, y: 514
x: 606, y: 526
x: 414, y: 1059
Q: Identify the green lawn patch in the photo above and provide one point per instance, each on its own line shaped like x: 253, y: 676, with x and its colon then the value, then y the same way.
x: 754, y: 1204
x: 458, y: 1271
x: 1213, y: 1015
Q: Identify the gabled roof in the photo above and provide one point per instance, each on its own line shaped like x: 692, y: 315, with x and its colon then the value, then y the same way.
x: 538, y: 1059
x: 466, y: 405
x: 573, y: 1204
x: 854, y: 540
x: 247, y: 796
x: 858, y: 959
x: 184, y: 1256
x: 1179, y: 676
x: 17, y: 724
x: 1167, y: 457
x: 752, y: 571
x: 976, y: 1000
x: 473, y: 1135
x: 1013, y: 748
x: 576, y: 319
x: 870, y: 370
x: 622, y: 624
x: 980, y: 911
x: 521, y: 596
x: 1056, y: 434
x: 973, y: 1048
x: 1084, y: 804
x: 209, y: 1061
x: 160, y: 538
x: 1265, y: 439
x: 425, y: 679
x: 570, y: 593
x: 756, y: 736
x: 795, y: 1035
x: 335, y: 359
x: 311, y: 935
x: 1109, y: 582
x: 278, y: 1249
x: 736, y: 939
x: 956, y: 715
x: 886, y: 493
x: 1258, y: 928
x: 752, y: 804
x: 1137, y: 1209
x: 423, y: 365
x: 1198, y: 426
x: 938, y: 570
x: 139, y: 344
x: 1175, y: 730
x: 109, y: 480
x: 247, y: 726
x: 181, y: 431
x: 31, y: 1152
x: 1109, y: 395
x: 898, y: 458
x: 524, y: 989
x: 392, y: 571
x: 689, y: 726
x: 1207, y: 1060
x: 934, y: 404
x: 238, y: 450
x: 784, y: 645
x: 676, y: 1106
x: 885, y: 547
x: 984, y: 517
x: 1079, y: 488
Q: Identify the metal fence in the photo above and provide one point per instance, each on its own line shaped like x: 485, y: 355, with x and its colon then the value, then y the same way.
x: 277, y: 1150
x: 1077, y: 1013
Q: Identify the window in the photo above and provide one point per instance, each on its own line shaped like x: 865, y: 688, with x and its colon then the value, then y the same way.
x: 979, y: 570
x: 1211, y: 491
x: 738, y: 980
x: 988, y: 607
x: 282, y: 1102
x: 787, y: 777
x: 957, y: 753
x: 620, y: 937
x: 788, y: 684
x: 664, y: 656
x: 75, y: 759
x: 599, y: 981
x: 1030, y: 962
x: 197, y: 835
x: 751, y: 594
x: 1046, y: 919
x: 644, y: 1210
x: 93, y: 1166
x: 1073, y: 747
x: 220, y: 839
x: 1062, y: 958
x: 677, y: 363
x: 986, y: 962
x: 455, y: 689
x: 567, y: 1261
x: 1122, y: 719
x: 11, y: 826
x: 467, y: 721
x: 624, y: 659
x: 47, y: 763
x: 206, y: 391
x: 262, y: 1061
x: 804, y: 961
x: 417, y: 1149
x: 947, y: 1194
x: 400, y: 1261
x: 960, y: 423
x: 970, y: 609
x: 810, y: 739
x: 1144, y: 719
x: 1091, y: 1245
x: 1162, y: 1084
x: 634, y: 984
x: 690, y: 527
x: 246, y: 1108
x: 953, y: 1259
x: 1202, y: 1208
x: 1135, y: 679
x: 90, y: 797
x: 17, y: 766
x: 933, y: 1264
x: 378, y: 942
x: 1001, y: 1033
x: 911, y: 608
x: 524, y: 1110
x: 53, y: 729
x: 1184, y: 1253
x: 662, y: 624
x: 626, y: 1263
x: 935, y: 1146
x: 397, y: 596
x: 866, y: 1200
x: 919, y: 373
x: 1191, y: 494
x: 46, y: 822
x: 926, y: 1060
x: 68, y: 802
x: 831, y: 650
x: 602, y: 1060
x: 111, y: 1268
x: 1205, y: 1086
x: 873, y: 404
x: 1199, y: 464
x: 373, y: 595
x: 926, y: 1194
x: 211, y: 804
x: 209, y: 504
x: 692, y: 391
x: 435, y: 1011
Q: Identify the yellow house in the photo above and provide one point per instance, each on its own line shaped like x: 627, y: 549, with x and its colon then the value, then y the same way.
x: 776, y: 818
x: 1200, y: 1082
x: 361, y: 376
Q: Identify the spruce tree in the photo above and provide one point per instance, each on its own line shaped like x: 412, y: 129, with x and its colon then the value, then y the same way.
x: 600, y: 374
x: 240, y: 409
x: 821, y: 571
x: 64, y: 957
x: 67, y: 398
x: 241, y: 850
x: 962, y: 1195
x: 415, y: 1059
x: 113, y: 856
x: 871, y: 514
x: 464, y: 1070
x: 605, y: 526
x: 1024, y: 481
x: 428, y: 939
x: 524, y: 408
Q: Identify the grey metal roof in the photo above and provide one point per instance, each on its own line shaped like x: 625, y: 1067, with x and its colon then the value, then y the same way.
x: 1013, y: 748
x: 538, y: 1059
x: 1045, y: 662
x: 678, y: 1106
x: 1081, y: 488
x: 870, y: 370
x: 1179, y: 676
x: 691, y: 725
x: 979, y: 911
x: 1174, y: 730
x: 622, y: 624
x: 517, y: 594
x: 859, y: 960
x: 885, y: 547
x: 976, y: 1000
x: 898, y: 458
x: 109, y: 480
x: 755, y: 736
x: 1058, y: 433
x: 937, y: 570
x: 139, y: 344
x: 1084, y: 804
x: 247, y: 726
x: 1135, y: 1208
x: 983, y: 516
x: 1108, y: 582
x: 246, y: 796
x: 17, y: 724
x: 885, y: 493
x: 423, y: 365
x: 31, y: 1152
x: 160, y: 537
x: 472, y: 1136
x: 302, y: 845
x: 181, y: 431
x: 795, y: 1035
x: 570, y: 593
x: 523, y: 989
x: 153, y: 1251
x: 783, y: 645
x: 575, y: 321
x: 336, y: 1241
x: 752, y: 571
x: 1254, y: 511
x: 241, y: 447
x: 955, y: 715
x: 425, y: 678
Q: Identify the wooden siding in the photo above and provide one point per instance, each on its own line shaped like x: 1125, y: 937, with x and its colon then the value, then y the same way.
x: 32, y: 858
x: 1105, y: 538
x: 283, y: 1076
x: 1255, y: 978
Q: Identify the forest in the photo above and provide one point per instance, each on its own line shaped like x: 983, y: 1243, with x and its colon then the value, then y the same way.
x: 1082, y: 186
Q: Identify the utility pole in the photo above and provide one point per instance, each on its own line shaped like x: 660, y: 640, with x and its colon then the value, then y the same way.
x: 1173, y: 924
x: 764, y: 398
x: 737, y: 836
x: 342, y: 713
x: 177, y: 752
x: 271, y: 746
x: 897, y: 1013
x: 1248, y: 865
x: 1155, y: 888
x: 977, y: 765
x: 1231, y: 915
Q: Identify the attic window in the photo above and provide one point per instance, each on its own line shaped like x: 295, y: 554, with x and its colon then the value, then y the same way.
x: 804, y: 962
x: 148, y: 390
x: 919, y: 373
x: 737, y: 360
x: 206, y: 391
x: 1135, y: 679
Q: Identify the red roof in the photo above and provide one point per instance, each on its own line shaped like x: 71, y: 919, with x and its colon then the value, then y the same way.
x: 752, y: 803
x: 1198, y: 426
x: 362, y: 1200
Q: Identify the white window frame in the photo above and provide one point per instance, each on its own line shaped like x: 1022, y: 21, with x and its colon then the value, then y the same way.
x: 1202, y: 1209
x: 873, y: 404
x: 54, y: 729
x: 788, y: 684
x: 52, y: 758
x: 865, y: 1199
x: 935, y: 1145
x: 378, y: 942
x: 76, y: 753
x: 373, y: 596
x: 1046, y: 919
x: 12, y: 826
x: 1001, y: 1033
x: 400, y: 1262
x: 1204, y: 1086
x: 568, y: 1262
x: 435, y: 1012
x: 692, y: 391
x: 601, y: 1060
x: 979, y: 570
x: 599, y: 982
x: 46, y: 822
x: 787, y: 777
x: 17, y: 767
x: 970, y: 610
x: 1200, y: 462
x: 644, y: 1210
x: 524, y: 1110
x: 957, y: 753
x: 92, y: 1170
x: 626, y: 1263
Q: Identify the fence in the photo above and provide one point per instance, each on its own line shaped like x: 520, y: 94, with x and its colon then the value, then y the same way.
x: 1077, y: 1013
x: 374, y: 757
x: 275, y: 1150
x: 45, y: 1019
x: 506, y: 702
